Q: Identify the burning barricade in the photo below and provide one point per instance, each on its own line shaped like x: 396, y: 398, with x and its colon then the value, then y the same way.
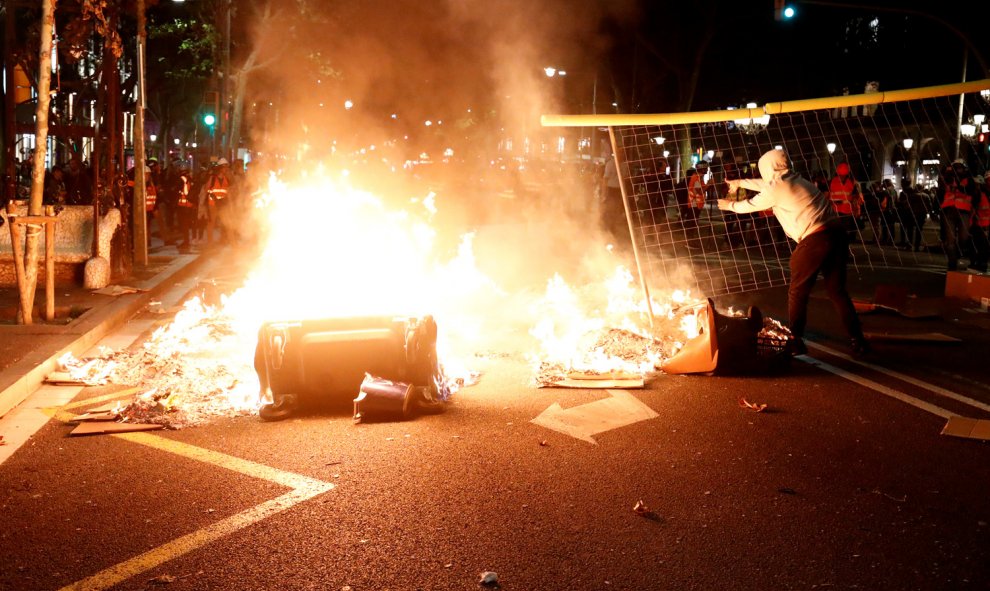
x: 390, y: 363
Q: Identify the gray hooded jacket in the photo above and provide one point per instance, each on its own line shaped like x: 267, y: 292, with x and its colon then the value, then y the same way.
x: 797, y: 203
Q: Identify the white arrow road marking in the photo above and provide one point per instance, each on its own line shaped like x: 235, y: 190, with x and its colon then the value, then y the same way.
x: 621, y: 408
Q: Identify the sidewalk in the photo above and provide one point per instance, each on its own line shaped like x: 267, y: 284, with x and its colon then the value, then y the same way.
x: 29, y: 353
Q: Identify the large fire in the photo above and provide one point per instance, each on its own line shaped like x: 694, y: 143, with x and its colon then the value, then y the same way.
x: 328, y: 249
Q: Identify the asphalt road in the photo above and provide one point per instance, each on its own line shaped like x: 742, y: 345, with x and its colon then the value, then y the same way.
x: 838, y: 484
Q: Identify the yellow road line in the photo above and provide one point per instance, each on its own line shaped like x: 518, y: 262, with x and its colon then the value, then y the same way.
x: 287, y: 479
x: 878, y: 387
x: 103, y: 398
x: 162, y: 554
x: 302, y: 488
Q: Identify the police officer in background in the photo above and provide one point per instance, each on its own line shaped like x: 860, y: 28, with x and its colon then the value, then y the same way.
x: 218, y: 200
x: 958, y: 193
x: 847, y: 199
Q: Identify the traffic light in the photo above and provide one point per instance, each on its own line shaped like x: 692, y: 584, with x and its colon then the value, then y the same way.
x: 783, y: 11
x: 982, y: 137
x: 209, y: 119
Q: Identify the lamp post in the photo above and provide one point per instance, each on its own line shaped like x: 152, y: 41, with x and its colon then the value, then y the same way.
x: 911, y: 167
x: 752, y: 125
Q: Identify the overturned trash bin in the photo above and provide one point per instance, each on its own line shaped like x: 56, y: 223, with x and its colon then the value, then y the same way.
x: 728, y: 344
x: 325, y: 361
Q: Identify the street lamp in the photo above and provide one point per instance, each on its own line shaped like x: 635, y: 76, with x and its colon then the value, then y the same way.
x: 908, y: 142
x: 974, y: 126
x: 830, y: 147
x: 752, y: 125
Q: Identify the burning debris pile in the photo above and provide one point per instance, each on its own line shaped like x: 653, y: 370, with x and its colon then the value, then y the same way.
x: 618, y: 349
x: 585, y: 337
x: 189, y: 372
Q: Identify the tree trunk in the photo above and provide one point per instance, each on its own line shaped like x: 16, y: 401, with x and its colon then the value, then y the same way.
x: 240, y: 87
x: 27, y: 288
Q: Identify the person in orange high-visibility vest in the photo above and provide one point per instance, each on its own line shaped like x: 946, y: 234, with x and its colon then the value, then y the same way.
x: 846, y: 198
x: 218, y: 199
x: 697, y: 196
x: 981, y: 227
x: 150, y: 195
x: 958, y: 192
x: 185, y: 204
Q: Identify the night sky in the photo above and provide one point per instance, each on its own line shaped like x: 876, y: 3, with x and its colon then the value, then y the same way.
x: 436, y: 60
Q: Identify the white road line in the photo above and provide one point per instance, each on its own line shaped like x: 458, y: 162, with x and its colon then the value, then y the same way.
x: 897, y: 394
x: 905, y: 378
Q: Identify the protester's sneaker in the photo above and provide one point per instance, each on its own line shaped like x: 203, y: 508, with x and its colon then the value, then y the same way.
x: 797, y: 347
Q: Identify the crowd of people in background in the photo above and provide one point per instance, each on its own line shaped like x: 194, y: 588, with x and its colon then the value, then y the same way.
x: 200, y: 208
x: 184, y: 207
x: 872, y: 212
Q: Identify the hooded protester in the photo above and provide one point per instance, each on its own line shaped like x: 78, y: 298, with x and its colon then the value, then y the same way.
x: 807, y: 217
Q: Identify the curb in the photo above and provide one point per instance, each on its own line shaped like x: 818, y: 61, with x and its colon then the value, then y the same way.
x: 21, y: 379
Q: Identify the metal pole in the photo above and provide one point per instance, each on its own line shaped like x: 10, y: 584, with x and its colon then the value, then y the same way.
x: 619, y: 165
x: 140, y: 197
x: 962, y: 101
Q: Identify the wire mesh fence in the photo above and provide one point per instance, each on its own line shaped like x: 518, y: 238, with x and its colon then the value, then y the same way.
x: 886, y: 166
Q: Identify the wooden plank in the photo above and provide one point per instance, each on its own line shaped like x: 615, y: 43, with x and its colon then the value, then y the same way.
x: 599, y: 384
x: 101, y: 427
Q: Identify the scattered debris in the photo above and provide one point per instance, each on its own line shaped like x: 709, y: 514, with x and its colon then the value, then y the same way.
x: 178, y: 372
x: 489, y: 579
x: 2, y: 442
x: 544, y: 443
x: 902, y: 499
x: 787, y: 491
x: 163, y: 579
x: 61, y: 378
x: 118, y: 290
x: 642, y: 510
x: 627, y: 355
x: 896, y: 299
x: 743, y: 403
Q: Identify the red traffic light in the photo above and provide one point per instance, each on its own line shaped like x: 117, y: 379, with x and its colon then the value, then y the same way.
x: 982, y: 137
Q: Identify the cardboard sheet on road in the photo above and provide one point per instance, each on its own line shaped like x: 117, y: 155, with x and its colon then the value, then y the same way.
x: 599, y: 384
x: 103, y: 427
x: 968, y: 428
